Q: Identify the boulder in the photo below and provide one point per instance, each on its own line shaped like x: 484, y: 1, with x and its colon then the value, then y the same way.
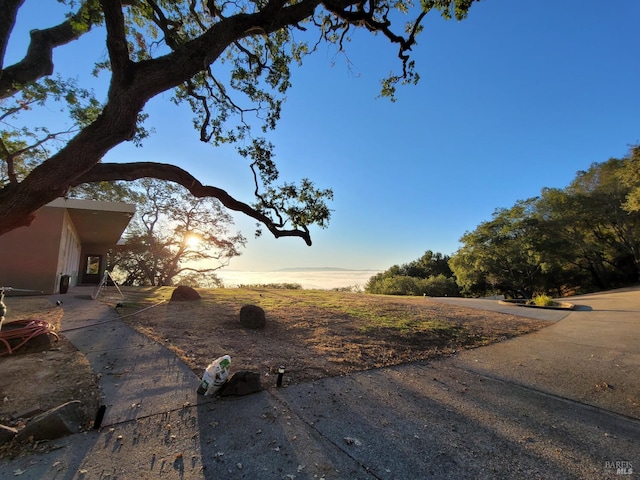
x: 184, y: 294
x: 55, y: 423
x: 241, y: 383
x: 7, y: 434
x: 252, y: 316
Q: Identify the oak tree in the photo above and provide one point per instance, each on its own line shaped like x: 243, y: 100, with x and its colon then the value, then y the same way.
x: 502, y: 254
x: 229, y: 61
x: 174, y: 236
x: 630, y: 176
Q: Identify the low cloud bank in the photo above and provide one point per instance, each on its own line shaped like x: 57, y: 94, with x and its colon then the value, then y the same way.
x: 307, y: 279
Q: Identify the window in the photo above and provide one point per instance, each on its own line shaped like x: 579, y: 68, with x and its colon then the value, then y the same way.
x: 93, y: 265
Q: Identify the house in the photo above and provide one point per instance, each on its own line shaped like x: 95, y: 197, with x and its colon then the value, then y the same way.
x: 65, y: 245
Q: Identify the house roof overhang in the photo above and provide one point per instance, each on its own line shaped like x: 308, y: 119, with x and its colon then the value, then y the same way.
x: 97, y: 223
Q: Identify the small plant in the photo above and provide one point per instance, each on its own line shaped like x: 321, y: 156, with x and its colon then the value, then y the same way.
x: 543, y: 301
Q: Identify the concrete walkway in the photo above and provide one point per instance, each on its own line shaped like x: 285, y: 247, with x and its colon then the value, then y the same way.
x: 560, y: 403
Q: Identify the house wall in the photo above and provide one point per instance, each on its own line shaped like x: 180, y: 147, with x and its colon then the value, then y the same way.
x: 29, y: 255
x: 57, y: 243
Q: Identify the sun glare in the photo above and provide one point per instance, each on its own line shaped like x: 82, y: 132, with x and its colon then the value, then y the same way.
x: 192, y: 241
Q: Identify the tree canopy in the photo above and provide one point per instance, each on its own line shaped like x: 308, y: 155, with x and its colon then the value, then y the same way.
x: 584, y: 237
x: 229, y: 62
x: 174, y: 236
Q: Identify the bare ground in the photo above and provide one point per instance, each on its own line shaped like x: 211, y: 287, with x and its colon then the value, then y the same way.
x: 41, y: 375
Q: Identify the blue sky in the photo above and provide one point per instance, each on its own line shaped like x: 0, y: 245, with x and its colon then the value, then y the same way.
x: 519, y: 96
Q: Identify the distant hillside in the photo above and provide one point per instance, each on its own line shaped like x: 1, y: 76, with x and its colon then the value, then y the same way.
x: 322, y: 269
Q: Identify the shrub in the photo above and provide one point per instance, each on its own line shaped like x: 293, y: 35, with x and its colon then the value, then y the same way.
x: 543, y: 301
x: 434, y: 286
x: 439, y: 286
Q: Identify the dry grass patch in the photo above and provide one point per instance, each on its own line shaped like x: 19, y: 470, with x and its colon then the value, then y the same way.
x: 313, y: 333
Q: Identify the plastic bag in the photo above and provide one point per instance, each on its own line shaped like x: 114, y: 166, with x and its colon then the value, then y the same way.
x: 215, y: 375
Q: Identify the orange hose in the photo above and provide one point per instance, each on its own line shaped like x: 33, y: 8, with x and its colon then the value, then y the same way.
x: 24, y: 330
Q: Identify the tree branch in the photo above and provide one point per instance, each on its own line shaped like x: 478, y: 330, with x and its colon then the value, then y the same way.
x: 117, y: 42
x: 167, y: 27
x: 8, y: 14
x: 367, y: 19
x: 38, y: 62
x: 9, y: 160
x: 172, y: 173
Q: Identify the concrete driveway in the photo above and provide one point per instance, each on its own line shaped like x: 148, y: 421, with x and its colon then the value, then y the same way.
x: 591, y: 356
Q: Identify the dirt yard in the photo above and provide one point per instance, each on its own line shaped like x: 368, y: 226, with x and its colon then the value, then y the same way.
x: 41, y: 375
x: 313, y: 334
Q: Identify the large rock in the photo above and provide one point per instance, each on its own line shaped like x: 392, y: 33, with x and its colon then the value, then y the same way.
x: 7, y: 433
x: 241, y: 383
x: 55, y: 423
x: 252, y: 316
x: 184, y: 294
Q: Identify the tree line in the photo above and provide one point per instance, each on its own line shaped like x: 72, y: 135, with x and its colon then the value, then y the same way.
x: 429, y: 275
x: 581, y: 238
